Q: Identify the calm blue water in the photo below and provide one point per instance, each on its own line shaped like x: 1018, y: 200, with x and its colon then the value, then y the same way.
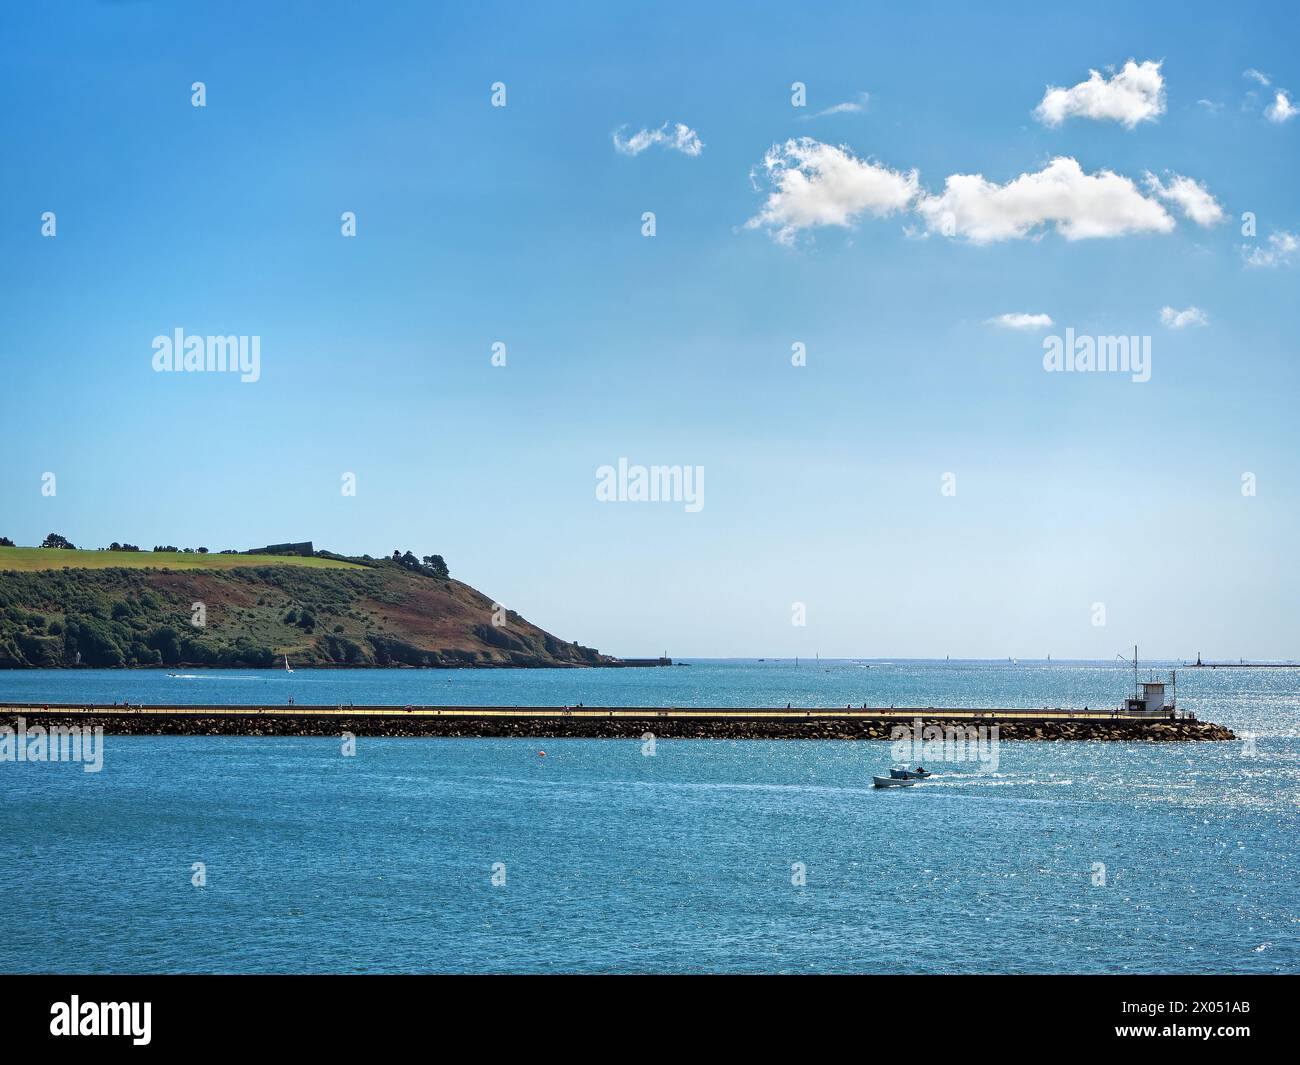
x: 615, y: 861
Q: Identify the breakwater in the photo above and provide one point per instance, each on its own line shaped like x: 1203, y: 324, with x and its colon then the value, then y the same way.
x: 608, y: 722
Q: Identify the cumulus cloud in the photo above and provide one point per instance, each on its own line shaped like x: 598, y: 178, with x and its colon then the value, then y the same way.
x: 1079, y: 205
x: 1259, y: 76
x: 1191, y: 196
x: 680, y: 138
x: 1182, y: 319
x: 815, y: 184
x: 1021, y: 320
x: 1281, y: 108
x: 1279, y: 251
x: 1136, y: 94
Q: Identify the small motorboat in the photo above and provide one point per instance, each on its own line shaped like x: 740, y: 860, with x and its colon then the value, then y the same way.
x: 892, y: 782
x: 910, y: 774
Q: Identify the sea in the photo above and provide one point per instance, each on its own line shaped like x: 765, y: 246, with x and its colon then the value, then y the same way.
x: 310, y: 855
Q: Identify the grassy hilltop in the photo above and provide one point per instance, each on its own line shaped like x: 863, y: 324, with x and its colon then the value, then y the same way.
x: 62, y: 607
x: 33, y: 559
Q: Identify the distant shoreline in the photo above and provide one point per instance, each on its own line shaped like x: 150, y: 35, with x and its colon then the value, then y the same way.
x: 611, y: 662
x: 312, y: 667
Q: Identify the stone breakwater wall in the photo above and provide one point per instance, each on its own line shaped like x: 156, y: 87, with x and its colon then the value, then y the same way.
x: 729, y: 728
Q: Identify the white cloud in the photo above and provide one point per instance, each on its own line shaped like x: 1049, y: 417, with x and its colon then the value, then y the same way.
x: 1258, y: 76
x: 1213, y: 106
x: 816, y: 184
x: 680, y: 138
x: 1079, y: 205
x: 1136, y: 94
x: 1280, y: 251
x: 1181, y: 319
x: 849, y: 107
x: 1191, y: 196
x: 1021, y: 320
x: 1281, y: 108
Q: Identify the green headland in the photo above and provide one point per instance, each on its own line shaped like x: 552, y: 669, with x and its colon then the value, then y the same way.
x: 64, y: 607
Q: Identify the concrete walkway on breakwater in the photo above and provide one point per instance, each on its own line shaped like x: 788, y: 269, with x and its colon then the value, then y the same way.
x: 979, y: 715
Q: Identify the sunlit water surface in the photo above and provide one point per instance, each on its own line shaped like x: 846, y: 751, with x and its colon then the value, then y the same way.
x: 680, y: 861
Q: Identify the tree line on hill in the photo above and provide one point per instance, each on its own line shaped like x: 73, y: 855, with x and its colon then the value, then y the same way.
x: 57, y: 542
x: 429, y: 565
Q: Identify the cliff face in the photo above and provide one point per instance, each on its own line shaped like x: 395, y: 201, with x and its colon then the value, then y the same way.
x: 382, y: 615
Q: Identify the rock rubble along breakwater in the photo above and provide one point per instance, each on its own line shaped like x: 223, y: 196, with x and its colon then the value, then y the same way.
x: 607, y: 723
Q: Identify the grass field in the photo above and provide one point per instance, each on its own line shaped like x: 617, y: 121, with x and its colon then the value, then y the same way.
x: 31, y: 559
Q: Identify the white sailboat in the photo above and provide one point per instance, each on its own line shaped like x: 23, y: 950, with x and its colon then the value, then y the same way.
x: 287, y: 668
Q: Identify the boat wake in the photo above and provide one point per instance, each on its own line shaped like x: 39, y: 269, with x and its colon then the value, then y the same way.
x: 976, y: 780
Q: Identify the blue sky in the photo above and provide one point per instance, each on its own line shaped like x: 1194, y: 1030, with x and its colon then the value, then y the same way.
x: 522, y: 224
